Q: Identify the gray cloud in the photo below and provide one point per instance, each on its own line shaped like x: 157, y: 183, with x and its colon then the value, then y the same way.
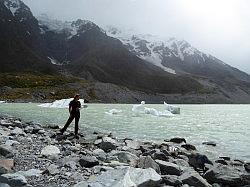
x: 218, y: 27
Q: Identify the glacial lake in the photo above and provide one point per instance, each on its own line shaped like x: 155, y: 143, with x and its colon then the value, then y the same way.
x: 227, y: 125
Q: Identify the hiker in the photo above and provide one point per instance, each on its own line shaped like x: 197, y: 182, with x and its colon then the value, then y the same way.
x: 74, y: 110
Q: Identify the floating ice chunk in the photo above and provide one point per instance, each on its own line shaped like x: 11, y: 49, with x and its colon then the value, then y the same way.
x: 2, y: 102
x: 157, y: 113
x: 165, y: 113
x: 171, y: 108
x: 63, y: 103
x: 139, y: 108
x: 151, y: 111
x: 113, y: 111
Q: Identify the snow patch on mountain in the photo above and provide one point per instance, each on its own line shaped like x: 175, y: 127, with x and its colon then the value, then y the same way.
x: 12, y: 5
x: 71, y: 28
x: 157, y: 50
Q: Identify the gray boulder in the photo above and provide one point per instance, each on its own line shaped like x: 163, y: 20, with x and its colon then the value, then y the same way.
x: 193, y: 178
x: 160, y: 156
x: 224, y: 175
x: 171, y: 180
x: 6, y: 151
x: 126, y: 177
x: 133, y: 144
x: 198, y: 161
x: 53, y: 169
x: 125, y: 157
x: 17, y: 132
x: 209, y: 143
x: 107, y: 144
x: 147, y: 162
x: 168, y: 168
x: 88, y: 161
x: 247, y: 167
x: 30, y: 173
x: 178, y: 140
x: 50, y: 150
x: 5, y: 123
x: 189, y: 147
x: 13, y: 179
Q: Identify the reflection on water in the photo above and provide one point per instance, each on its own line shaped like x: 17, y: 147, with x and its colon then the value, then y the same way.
x: 228, y: 125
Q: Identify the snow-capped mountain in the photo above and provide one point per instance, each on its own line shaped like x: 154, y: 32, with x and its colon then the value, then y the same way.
x: 70, y: 28
x: 159, y: 51
x: 139, y: 62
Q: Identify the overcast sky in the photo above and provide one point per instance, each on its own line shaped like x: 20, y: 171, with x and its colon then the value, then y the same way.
x: 218, y: 27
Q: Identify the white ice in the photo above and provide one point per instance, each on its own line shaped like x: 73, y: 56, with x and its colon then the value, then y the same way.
x: 63, y: 103
x: 113, y: 112
x: 2, y: 102
x: 141, y: 109
x: 171, y: 108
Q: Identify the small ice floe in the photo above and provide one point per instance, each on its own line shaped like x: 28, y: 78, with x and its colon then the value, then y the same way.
x: 63, y: 103
x: 2, y: 102
x: 171, y: 108
x: 139, y: 108
x: 113, y: 112
x: 157, y: 113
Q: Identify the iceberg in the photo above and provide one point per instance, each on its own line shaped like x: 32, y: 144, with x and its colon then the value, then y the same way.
x: 113, y: 111
x: 172, y: 109
x: 157, y: 113
x: 63, y: 103
x: 2, y: 102
x: 139, y: 108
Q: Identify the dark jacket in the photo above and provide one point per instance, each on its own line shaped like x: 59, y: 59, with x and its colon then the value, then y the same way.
x: 75, y: 107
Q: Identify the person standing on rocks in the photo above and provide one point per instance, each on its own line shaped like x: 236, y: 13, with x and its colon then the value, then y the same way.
x: 74, y: 110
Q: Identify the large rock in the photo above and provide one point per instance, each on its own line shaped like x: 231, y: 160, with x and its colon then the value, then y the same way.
x: 13, y: 179
x: 178, y: 140
x: 50, y: 150
x: 247, y: 167
x: 6, y: 165
x: 126, y: 157
x: 53, y: 169
x: 100, y: 154
x: 194, y: 179
x: 17, y: 132
x: 168, y: 168
x: 125, y: 177
x: 30, y: 173
x: 171, y: 180
x: 147, y: 162
x: 6, y: 151
x: 88, y: 161
x: 198, y: 161
x: 189, y: 147
x: 160, y: 156
x: 209, y: 143
x: 107, y: 144
x: 224, y: 175
x: 133, y: 144
x: 5, y: 123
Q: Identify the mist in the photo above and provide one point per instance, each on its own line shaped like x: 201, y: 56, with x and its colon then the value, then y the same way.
x: 220, y: 28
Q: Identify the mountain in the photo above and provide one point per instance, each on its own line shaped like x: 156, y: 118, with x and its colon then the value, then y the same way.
x: 175, y: 56
x: 136, y: 66
x: 84, y: 49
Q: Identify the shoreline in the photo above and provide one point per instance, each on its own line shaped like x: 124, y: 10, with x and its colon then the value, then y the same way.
x: 33, y: 155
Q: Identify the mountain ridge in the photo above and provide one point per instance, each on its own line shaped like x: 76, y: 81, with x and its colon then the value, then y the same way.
x: 84, y: 50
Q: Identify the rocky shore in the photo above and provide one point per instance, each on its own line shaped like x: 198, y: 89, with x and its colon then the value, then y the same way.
x: 32, y: 154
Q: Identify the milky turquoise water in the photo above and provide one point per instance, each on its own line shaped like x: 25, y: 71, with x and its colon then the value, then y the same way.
x: 227, y: 125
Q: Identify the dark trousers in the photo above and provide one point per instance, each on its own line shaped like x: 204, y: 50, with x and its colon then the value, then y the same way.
x: 71, y: 117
